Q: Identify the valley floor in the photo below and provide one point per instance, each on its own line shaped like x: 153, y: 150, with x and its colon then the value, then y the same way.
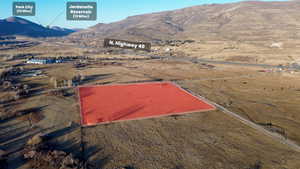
x: 210, y: 140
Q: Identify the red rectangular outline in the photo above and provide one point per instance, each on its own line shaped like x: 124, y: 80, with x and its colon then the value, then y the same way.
x: 148, y: 117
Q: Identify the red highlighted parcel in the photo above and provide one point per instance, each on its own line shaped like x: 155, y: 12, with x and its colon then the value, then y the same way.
x: 112, y: 103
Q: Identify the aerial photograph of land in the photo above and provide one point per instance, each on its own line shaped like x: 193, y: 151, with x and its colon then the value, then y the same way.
x: 167, y: 85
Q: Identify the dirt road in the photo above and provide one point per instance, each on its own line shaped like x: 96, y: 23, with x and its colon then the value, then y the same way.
x: 257, y: 127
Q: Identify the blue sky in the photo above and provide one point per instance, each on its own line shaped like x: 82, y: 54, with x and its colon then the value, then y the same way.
x: 53, y: 12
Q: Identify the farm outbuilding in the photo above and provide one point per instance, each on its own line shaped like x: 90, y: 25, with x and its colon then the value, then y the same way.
x: 43, y: 61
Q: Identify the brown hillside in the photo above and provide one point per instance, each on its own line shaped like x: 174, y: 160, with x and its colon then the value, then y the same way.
x: 236, y: 21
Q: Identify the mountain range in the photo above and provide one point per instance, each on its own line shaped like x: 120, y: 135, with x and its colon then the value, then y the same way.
x: 20, y: 26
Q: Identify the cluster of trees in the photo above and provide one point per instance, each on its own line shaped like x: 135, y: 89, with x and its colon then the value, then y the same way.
x: 59, y: 83
x: 9, y: 73
x: 172, y: 42
x: 60, y: 92
x: 77, y: 79
x: 9, y: 83
x: 42, y: 154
